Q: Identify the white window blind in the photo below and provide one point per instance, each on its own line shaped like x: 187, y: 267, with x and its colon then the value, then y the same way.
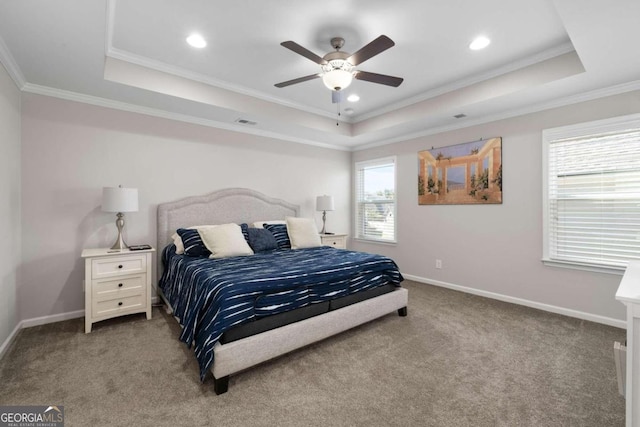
x: 593, y: 197
x: 375, y: 216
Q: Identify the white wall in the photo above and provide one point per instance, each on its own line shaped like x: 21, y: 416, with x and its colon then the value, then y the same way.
x: 71, y: 150
x: 497, y: 248
x: 9, y: 203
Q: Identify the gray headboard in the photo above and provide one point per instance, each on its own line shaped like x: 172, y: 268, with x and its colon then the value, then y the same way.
x: 220, y: 207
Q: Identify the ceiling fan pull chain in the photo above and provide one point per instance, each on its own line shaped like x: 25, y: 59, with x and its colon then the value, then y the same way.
x: 338, y: 108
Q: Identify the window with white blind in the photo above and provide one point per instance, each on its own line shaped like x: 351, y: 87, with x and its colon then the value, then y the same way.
x: 376, y: 200
x: 591, y: 199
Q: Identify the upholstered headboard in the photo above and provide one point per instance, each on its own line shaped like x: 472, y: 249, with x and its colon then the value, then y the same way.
x: 220, y: 207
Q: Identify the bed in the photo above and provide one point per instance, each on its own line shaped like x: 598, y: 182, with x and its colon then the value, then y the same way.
x: 304, y: 298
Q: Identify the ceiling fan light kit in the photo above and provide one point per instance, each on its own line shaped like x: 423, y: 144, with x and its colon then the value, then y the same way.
x: 337, y: 76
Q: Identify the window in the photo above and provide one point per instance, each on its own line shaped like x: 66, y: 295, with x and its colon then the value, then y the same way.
x: 376, y: 200
x: 591, y: 194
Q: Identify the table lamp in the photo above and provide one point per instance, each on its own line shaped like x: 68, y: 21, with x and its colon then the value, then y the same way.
x: 324, y: 204
x: 118, y: 199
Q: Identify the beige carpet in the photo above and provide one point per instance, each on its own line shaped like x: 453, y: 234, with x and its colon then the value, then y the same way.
x: 456, y: 360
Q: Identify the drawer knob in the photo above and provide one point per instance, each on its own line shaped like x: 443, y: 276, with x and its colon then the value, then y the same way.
x: 119, y: 285
x: 120, y: 266
x: 120, y: 303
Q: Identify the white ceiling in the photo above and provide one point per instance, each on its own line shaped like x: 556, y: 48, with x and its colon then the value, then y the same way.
x: 132, y: 55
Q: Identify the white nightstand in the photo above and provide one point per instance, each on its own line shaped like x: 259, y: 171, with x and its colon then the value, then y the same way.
x: 338, y: 241
x: 116, y: 283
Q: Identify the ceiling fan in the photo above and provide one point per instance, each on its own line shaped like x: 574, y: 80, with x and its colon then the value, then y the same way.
x: 339, y: 67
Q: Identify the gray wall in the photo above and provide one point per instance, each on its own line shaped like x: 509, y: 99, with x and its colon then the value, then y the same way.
x: 498, y: 248
x: 9, y: 203
x: 72, y: 150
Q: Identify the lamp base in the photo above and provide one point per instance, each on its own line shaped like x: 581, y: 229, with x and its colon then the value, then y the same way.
x: 324, y: 222
x: 119, y: 244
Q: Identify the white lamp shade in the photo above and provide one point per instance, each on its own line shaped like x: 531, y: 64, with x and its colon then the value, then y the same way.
x: 325, y: 203
x: 118, y: 199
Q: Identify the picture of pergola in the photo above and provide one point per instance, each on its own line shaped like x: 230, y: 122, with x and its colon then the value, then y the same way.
x: 469, y: 173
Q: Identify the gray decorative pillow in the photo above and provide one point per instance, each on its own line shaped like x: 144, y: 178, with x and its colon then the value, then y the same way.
x: 261, y: 240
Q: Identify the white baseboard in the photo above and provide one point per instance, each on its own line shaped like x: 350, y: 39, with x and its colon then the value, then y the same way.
x: 37, y: 321
x: 7, y: 343
x: 520, y: 301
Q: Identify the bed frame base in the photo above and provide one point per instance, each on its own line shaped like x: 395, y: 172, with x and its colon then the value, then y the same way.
x: 239, y: 355
x: 221, y: 385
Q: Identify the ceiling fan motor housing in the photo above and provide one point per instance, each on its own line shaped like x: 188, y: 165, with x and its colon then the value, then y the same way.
x: 337, y: 43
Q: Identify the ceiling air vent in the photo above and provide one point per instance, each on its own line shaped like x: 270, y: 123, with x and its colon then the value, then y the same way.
x: 459, y: 116
x: 245, y: 122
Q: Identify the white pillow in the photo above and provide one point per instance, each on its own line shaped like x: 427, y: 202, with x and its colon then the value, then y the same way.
x: 177, y: 240
x: 225, y: 240
x: 303, y: 233
x: 258, y: 224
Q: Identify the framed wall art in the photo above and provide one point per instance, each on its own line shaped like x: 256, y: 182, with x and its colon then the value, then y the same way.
x: 461, y: 174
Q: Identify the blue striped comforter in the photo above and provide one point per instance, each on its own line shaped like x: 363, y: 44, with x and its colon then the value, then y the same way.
x: 210, y: 296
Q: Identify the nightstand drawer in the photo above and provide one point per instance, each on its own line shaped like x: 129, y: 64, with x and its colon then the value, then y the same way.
x: 339, y: 242
x: 107, y: 267
x: 120, y: 287
x: 112, y: 306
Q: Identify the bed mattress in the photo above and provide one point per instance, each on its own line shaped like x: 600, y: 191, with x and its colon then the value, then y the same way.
x: 263, y: 324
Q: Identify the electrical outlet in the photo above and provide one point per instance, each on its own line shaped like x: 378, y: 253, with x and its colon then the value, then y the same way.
x: 438, y: 263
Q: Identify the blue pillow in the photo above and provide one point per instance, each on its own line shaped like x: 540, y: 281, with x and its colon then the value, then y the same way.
x: 245, y: 231
x: 279, y: 231
x: 193, y: 244
x: 261, y: 240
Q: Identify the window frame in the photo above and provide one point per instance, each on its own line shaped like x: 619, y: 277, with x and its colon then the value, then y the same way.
x: 616, y: 124
x: 361, y: 165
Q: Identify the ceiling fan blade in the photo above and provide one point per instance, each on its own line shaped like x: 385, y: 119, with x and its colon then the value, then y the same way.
x: 377, y: 46
x: 379, y: 78
x: 298, y: 80
x: 304, y: 52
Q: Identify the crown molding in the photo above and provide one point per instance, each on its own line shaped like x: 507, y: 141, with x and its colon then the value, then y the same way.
x: 561, y: 102
x: 123, y: 106
x: 108, y: 27
x: 459, y: 84
x: 154, y: 112
x: 116, y: 53
x: 190, y: 75
x: 10, y: 64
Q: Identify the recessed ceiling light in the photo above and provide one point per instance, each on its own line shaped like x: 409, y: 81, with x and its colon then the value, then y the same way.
x: 353, y: 98
x: 349, y: 111
x: 196, y: 40
x: 479, y: 43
